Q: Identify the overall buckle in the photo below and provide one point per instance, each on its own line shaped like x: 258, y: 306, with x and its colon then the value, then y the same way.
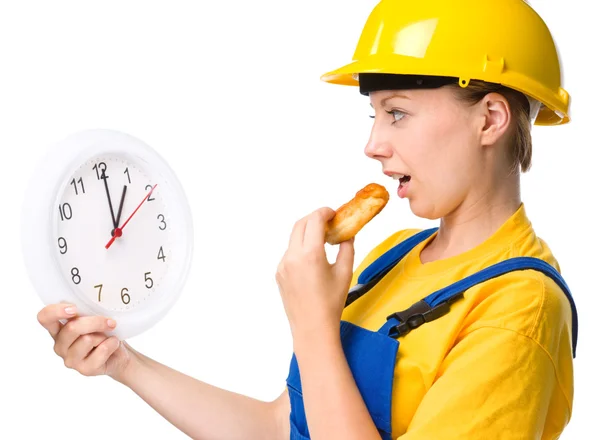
x: 417, y: 315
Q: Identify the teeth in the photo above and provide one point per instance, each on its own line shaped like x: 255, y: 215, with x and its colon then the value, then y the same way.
x: 397, y: 176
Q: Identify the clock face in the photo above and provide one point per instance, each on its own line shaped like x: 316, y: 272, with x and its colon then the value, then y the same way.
x: 99, y: 200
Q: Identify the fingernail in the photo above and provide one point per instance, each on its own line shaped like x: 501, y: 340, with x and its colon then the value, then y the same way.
x: 70, y: 310
x: 111, y: 323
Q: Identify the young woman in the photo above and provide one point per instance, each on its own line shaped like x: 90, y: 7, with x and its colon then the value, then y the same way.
x: 462, y: 331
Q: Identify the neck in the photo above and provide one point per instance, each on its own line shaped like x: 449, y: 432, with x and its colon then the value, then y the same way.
x: 474, y: 220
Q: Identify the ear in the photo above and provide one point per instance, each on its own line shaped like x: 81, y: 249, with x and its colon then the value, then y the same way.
x: 497, y: 117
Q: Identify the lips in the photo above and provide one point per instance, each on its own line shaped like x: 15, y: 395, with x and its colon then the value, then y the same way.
x: 402, y: 177
x: 403, y: 189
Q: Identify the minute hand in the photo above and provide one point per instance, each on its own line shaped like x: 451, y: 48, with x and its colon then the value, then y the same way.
x: 119, y: 231
x: 112, y: 214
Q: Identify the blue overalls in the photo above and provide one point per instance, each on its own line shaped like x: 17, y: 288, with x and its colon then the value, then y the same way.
x: 371, y: 355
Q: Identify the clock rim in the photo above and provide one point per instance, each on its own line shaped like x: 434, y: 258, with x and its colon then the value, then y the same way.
x: 39, y: 225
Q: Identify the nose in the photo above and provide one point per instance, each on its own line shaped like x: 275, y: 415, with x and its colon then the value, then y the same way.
x: 378, y: 146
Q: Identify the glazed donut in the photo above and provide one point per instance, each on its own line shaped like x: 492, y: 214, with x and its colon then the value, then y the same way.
x: 352, y: 216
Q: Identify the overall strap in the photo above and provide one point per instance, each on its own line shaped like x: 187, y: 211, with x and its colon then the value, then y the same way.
x: 382, y: 265
x: 438, y: 303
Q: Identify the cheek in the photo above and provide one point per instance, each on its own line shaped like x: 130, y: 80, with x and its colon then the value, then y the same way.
x: 437, y: 154
x: 452, y: 147
x: 444, y: 167
x: 442, y: 159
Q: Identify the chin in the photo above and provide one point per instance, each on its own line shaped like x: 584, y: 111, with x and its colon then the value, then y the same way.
x: 426, y: 209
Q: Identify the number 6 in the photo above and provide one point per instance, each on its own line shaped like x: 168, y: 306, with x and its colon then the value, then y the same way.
x: 125, y: 295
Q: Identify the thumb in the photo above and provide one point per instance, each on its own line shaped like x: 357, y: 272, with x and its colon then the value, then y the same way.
x: 345, y: 257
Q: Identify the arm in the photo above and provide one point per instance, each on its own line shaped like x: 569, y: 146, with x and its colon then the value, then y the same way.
x: 333, y: 404
x: 313, y: 292
x: 201, y: 410
x: 494, y: 383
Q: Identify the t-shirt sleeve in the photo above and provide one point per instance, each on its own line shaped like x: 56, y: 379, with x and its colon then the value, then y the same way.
x: 494, y: 383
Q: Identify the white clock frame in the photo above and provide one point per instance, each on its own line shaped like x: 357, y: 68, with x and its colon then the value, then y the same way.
x: 39, y: 223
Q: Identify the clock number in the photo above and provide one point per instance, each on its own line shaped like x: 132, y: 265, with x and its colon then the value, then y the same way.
x: 161, y: 255
x: 62, y: 244
x: 125, y: 296
x: 74, y: 183
x: 149, y: 187
x: 128, y: 177
x: 162, y: 222
x: 99, y: 286
x: 65, y: 211
x: 75, y: 275
x: 100, y: 170
x: 147, y: 278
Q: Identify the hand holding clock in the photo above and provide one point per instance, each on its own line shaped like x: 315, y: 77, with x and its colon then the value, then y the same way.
x: 82, y: 344
x: 81, y: 341
x: 67, y: 267
x: 85, y: 288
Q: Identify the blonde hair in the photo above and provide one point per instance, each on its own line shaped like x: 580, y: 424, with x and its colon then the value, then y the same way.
x: 523, y: 109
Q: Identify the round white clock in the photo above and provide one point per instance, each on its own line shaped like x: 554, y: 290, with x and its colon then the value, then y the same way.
x: 106, y: 226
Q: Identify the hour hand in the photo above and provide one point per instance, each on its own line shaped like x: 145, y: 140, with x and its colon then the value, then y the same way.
x: 121, y: 206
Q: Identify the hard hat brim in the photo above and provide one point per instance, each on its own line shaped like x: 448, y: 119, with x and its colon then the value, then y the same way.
x: 554, y: 110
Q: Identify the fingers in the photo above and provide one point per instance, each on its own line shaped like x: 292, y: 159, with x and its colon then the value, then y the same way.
x: 81, y: 348
x: 81, y: 342
x: 319, y: 217
x: 297, y: 235
x: 78, y: 327
x: 96, y: 361
x: 344, y: 261
x: 314, y: 234
x: 98, y: 349
x: 49, y: 317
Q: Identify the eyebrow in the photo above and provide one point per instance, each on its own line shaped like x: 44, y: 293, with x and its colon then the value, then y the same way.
x: 395, y: 95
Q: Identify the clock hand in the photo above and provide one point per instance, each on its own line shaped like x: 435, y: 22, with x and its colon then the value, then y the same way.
x: 119, y: 231
x: 112, y: 214
x: 120, y: 209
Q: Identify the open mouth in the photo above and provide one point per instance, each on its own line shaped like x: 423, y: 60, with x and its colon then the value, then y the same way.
x: 402, y: 178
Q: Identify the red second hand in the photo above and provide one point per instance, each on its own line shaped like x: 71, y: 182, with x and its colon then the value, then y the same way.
x: 119, y: 231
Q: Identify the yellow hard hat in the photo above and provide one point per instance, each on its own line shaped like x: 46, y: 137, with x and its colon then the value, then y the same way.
x: 498, y: 41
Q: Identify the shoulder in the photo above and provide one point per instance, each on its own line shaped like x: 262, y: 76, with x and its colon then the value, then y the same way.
x: 527, y: 302
x: 534, y: 315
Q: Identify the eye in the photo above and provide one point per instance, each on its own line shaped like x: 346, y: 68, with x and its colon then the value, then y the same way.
x: 397, y: 114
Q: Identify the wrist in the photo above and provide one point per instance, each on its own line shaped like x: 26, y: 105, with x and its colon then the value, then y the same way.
x: 130, y: 367
x: 316, y: 338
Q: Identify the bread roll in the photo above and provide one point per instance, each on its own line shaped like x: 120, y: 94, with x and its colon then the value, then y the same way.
x: 352, y: 216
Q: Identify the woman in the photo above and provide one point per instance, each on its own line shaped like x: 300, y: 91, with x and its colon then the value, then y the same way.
x: 489, y: 357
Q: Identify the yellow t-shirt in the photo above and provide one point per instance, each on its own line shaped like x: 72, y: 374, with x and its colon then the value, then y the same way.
x: 499, y: 365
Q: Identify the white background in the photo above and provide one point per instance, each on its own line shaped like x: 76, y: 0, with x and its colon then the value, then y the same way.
x: 229, y: 94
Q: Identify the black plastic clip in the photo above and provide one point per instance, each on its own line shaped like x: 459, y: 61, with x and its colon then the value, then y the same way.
x: 417, y: 315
